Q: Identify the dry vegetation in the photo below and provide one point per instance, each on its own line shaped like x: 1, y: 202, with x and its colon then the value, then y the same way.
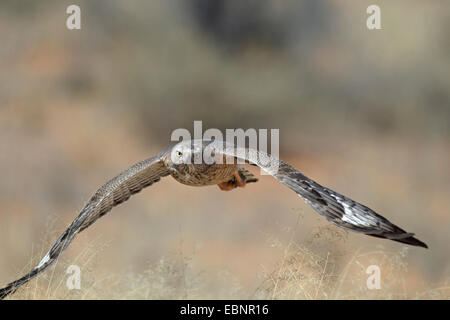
x: 363, y: 113
x: 318, y: 268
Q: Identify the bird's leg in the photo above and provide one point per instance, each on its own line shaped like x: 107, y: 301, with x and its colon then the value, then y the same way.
x: 235, y: 182
x: 226, y: 186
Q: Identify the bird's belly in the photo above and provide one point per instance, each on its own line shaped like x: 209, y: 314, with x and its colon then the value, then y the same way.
x: 206, y: 175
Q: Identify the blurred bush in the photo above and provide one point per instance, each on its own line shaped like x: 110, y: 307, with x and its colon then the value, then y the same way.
x: 301, y: 66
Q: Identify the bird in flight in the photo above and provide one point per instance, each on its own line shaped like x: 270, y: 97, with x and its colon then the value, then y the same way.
x: 223, y: 165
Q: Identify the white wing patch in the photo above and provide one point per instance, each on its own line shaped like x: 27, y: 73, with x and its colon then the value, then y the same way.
x: 351, y: 217
x: 43, y: 261
x: 347, y: 217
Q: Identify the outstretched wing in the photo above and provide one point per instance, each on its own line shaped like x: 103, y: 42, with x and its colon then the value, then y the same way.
x: 114, y: 192
x: 336, y: 208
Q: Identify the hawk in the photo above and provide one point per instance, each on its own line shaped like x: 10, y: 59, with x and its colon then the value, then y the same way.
x: 186, y: 163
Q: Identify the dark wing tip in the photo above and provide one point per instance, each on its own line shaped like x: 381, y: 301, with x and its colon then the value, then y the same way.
x: 409, y: 239
x: 4, y: 292
x: 412, y: 241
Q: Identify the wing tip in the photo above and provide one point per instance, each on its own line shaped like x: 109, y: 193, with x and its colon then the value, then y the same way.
x: 406, y: 238
x: 6, y: 291
x: 413, y: 241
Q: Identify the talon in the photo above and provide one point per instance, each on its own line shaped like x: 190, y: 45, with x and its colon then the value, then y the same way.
x: 239, y: 181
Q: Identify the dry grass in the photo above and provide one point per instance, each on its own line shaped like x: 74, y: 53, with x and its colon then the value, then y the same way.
x: 363, y: 113
x: 305, y: 275
x: 318, y: 268
x: 321, y: 269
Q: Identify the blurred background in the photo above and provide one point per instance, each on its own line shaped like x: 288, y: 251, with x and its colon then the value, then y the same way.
x: 363, y: 112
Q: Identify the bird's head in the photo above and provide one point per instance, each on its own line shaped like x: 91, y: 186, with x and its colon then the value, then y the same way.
x: 189, y: 152
x: 194, y: 154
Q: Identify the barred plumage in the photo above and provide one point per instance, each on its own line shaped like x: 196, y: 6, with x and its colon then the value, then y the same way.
x: 178, y: 161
